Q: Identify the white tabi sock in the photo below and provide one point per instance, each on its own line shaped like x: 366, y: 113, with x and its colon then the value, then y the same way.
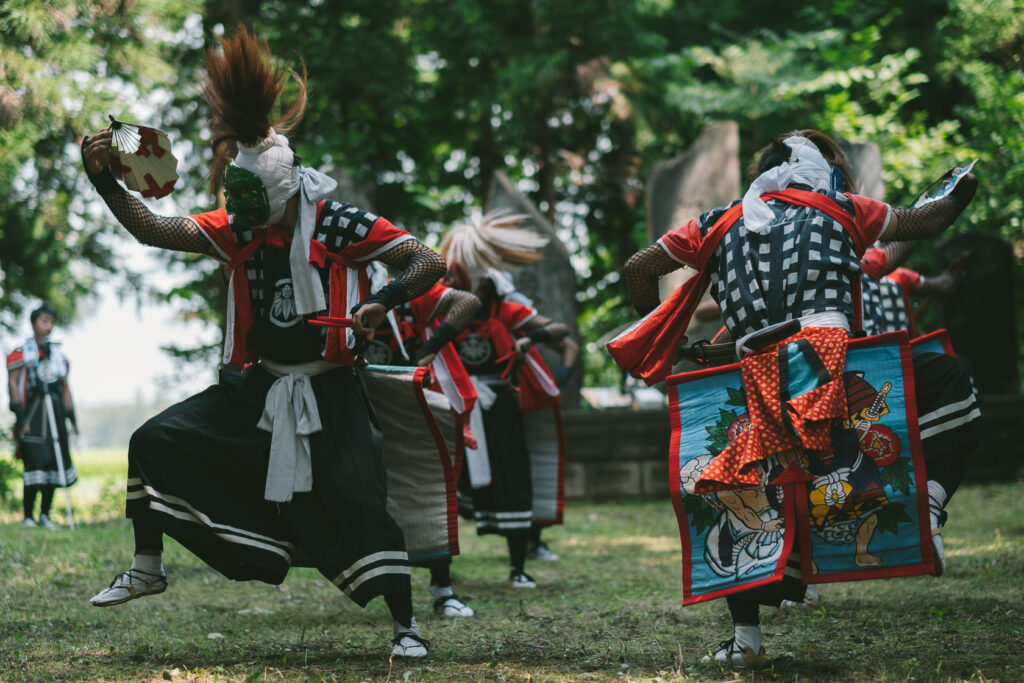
x: 749, y: 636
x: 441, y: 591
x: 151, y: 564
x: 936, y: 501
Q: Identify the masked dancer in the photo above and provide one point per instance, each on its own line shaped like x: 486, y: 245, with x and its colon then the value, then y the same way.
x: 283, y: 457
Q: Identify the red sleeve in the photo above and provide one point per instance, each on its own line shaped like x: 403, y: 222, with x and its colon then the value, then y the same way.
x: 382, y: 237
x: 908, y: 279
x: 513, y: 315
x: 216, y: 225
x: 15, y: 359
x: 874, y: 262
x: 872, y: 216
x: 682, y: 243
x: 424, y: 305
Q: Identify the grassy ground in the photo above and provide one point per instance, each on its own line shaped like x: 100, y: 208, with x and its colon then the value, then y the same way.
x: 609, y: 610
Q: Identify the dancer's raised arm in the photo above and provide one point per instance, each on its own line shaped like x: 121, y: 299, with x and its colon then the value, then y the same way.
x: 421, y: 267
x: 931, y: 219
x: 167, y: 232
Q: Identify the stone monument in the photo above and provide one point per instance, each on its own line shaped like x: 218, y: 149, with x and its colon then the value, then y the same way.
x: 551, y: 283
x: 704, y: 176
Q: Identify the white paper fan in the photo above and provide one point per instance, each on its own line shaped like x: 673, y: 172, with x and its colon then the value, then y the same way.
x: 141, y: 157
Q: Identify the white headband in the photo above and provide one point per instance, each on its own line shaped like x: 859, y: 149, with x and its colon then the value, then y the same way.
x: 806, y: 165
x: 273, y: 160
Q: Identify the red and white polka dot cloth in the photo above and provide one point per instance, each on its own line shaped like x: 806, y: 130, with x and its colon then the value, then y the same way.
x: 812, y: 414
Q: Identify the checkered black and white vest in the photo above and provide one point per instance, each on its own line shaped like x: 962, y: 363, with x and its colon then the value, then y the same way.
x: 884, y: 307
x: 339, y: 225
x: 804, y: 264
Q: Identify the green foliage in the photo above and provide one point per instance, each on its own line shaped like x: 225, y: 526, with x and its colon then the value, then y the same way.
x: 422, y: 101
x: 897, y: 475
x: 10, y: 469
x: 64, y: 66
x: 890, y: 517
x: 702, y: 515
x: 10, y: 473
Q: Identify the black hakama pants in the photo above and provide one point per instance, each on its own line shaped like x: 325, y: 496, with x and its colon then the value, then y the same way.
x: 948, y: 415
x: 197, y: 472
x: 505, y: 506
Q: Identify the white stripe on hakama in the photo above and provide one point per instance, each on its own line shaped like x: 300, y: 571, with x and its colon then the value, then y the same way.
x: 950, y: 424
x: 229, y: 537
x: 203, y: 519
x: 376, y: 571
x: 362, y: 562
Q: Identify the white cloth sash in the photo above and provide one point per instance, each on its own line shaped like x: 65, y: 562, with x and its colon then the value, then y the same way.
x: 806, y: 165
x: 476, y: 458
x: 290, y: 414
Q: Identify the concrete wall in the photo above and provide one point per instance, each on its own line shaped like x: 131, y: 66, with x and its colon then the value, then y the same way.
x: 616, y: 454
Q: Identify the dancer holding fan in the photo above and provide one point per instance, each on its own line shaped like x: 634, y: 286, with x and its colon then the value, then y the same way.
x: 283, y: 457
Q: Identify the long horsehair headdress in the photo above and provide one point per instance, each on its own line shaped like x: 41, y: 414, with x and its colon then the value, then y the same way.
x: 494, y: 240
x: 241, y: 87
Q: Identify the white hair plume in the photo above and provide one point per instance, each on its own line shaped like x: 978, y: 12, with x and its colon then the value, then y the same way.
x: 493, y: 240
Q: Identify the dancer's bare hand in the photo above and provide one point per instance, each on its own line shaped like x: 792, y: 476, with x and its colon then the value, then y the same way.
x: 367, y: 318
x: 426, y: 360
x: 96, y: 151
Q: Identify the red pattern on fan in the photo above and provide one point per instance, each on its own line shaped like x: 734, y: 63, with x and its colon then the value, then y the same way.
x: 141, y: 157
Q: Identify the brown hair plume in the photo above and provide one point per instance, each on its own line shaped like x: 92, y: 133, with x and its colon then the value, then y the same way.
x: 242, y: 85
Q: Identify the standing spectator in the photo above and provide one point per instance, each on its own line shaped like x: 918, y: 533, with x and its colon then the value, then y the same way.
x: 38, y: 374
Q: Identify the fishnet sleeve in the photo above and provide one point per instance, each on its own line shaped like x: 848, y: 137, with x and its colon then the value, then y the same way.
x: 931, y: 219
x: 166, y: 232
x: 642, y: 271
x: 421, y: 267
x: 896, y: 253
x: 458, y: 308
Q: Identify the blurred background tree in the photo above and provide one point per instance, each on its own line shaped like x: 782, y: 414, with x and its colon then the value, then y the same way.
x: 422, y: 101
x: 65, y: 65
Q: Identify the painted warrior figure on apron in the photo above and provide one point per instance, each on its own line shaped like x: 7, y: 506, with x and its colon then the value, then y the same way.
x: 514, y: 480
x: 42, y: 406
x: 822, y: 433
x: 284, y: 458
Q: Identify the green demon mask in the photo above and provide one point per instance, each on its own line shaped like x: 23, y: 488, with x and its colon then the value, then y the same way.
x: 246, y: 197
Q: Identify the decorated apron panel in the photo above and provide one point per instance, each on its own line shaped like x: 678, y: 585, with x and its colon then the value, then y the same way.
x: 934, y: 342
x: 860, y: 509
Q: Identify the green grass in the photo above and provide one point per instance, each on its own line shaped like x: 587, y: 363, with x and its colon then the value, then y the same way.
x: 609, y: 610
x: 96, y: 496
